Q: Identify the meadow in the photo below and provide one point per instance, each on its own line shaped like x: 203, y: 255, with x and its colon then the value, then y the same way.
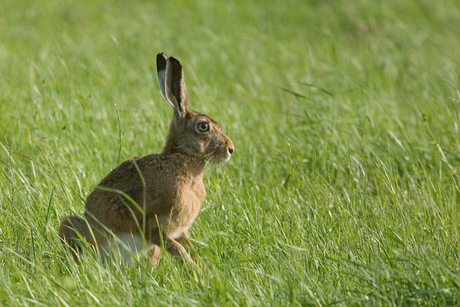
x: 344, y: 186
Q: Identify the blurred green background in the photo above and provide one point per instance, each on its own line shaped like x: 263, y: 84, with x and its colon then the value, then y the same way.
x: 343, y: 189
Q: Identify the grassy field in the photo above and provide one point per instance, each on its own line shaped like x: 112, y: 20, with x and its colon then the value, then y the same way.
x: 344, y: 186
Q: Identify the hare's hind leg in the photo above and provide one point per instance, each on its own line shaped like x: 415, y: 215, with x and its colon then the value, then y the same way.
x: 69, y: 229
x: 155, y: 253
x: 73, y: 228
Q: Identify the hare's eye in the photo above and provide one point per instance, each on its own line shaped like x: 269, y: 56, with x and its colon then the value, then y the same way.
x: 203, y: 126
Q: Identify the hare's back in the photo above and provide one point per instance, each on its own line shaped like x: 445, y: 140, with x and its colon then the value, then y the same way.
x: 160, y: 182
x: 127, y: 183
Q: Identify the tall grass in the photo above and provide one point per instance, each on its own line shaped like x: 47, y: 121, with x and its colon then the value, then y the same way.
x: 344, y: 186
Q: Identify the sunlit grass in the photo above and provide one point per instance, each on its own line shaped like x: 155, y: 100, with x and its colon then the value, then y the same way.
x: 343, y: 188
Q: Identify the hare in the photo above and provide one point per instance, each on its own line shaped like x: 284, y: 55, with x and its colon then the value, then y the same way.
x: 154, y: 198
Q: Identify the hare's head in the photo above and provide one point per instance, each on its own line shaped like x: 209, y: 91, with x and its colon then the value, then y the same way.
x: 191, y: 133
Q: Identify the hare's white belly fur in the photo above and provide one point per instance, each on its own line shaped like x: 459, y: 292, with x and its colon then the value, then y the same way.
x: 127, y: 244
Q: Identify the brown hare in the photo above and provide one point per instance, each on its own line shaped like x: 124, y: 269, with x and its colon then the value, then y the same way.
x: 155, y: 198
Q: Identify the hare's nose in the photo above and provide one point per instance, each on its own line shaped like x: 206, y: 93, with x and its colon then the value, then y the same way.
x: 230, y: 150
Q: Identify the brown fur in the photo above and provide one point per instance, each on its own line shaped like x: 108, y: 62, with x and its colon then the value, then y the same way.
x: 167, y: 188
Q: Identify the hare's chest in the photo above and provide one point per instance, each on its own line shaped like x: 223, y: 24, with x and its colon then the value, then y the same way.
x: 196, y: 193
x: 186, y: 208
x: 189, y: 203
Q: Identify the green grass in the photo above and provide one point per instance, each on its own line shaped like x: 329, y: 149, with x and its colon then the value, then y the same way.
x: 344, y: 186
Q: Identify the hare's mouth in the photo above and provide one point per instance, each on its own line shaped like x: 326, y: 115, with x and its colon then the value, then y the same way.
x: 219, y: 160
x: 221, y: 156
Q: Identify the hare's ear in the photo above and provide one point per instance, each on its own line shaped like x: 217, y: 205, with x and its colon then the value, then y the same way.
x: 161, y: 69
x: 172, y: 84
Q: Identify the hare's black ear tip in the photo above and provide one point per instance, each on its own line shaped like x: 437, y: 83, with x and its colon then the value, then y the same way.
x: 161, y: 60
x: 173, y: 59
x: 162, y: 55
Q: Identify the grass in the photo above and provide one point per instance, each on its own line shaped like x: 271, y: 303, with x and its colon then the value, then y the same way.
x: 344, y: 186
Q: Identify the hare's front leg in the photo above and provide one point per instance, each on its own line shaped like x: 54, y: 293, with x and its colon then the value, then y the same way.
x: 176, y: 249
x: 185, y: 239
